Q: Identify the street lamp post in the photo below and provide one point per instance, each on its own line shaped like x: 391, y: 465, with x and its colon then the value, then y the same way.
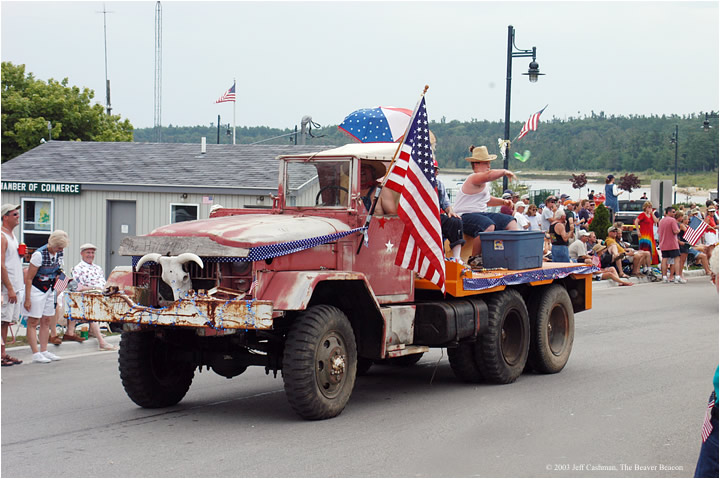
x: 706, y: 127
x: 533, y: 73
x: 674, y: 141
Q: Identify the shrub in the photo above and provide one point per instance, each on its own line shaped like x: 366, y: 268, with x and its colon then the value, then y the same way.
x: 600, y: 222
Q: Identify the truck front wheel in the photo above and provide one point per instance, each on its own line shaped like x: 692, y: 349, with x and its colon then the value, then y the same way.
x: 151, y: 374
x: 501, y: 352
x: 319, y: 362
x: 553, y: 330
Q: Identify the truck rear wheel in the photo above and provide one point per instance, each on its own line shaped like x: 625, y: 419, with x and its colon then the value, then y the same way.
x: 501, y: 352
x: 319, y: 363
x: 553, y: 330
x: 151, y: 375
x: 462, y: 362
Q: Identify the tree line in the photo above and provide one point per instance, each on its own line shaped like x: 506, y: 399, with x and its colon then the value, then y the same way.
x: 592, y: 143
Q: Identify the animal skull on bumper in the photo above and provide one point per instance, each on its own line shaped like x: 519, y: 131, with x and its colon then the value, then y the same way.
x: 173, y: 273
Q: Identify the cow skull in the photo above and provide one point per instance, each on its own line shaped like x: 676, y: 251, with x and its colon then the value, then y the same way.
x: 173, y: 273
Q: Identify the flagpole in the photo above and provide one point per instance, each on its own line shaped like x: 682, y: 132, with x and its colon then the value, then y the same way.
x: 387, y: 173
x: 234, y: 102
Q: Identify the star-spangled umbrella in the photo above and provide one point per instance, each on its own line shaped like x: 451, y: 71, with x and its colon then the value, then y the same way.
x: 384, y: 124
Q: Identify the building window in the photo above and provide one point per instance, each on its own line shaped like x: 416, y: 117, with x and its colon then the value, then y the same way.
x: 37, y: 221
x: 183, y: 212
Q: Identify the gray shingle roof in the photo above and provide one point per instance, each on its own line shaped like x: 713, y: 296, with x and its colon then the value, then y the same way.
x: 175, y: 164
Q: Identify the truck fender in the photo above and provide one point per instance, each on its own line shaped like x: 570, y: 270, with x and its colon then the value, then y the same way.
x: 348, y: 291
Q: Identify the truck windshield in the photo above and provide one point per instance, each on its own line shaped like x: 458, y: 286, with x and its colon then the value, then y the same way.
x: 320, y: 183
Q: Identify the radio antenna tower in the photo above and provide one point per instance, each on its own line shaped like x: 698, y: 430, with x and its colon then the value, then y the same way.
x: 107, y: 80
x: 158, y: 72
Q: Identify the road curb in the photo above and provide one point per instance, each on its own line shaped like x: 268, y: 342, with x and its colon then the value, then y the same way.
x: 608, y: 283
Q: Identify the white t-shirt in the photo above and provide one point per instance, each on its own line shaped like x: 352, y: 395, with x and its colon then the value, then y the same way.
x: 522, y: 220
x: 547, y: 215
x: 534, y: 222
x: 577, y: 248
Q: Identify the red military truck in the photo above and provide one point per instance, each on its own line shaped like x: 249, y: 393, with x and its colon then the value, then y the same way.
x: 287, y: 289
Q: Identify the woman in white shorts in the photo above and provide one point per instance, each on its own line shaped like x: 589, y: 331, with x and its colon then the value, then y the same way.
x: 39, y: 305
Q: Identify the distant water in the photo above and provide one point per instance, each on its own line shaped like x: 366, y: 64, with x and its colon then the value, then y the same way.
x: 453, y: 182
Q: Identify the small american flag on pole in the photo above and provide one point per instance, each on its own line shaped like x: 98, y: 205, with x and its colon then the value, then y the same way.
x: 61, y: 283
x: 420, y: 247
x: 228, y: 95
x: 695, y: 230
x: 531, y: 124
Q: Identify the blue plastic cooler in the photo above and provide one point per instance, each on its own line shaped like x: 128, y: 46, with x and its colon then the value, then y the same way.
x: 512, y: 249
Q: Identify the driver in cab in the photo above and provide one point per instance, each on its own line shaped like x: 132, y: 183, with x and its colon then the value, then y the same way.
x: 371, y: 173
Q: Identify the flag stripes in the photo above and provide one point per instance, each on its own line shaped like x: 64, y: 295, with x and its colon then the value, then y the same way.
x: 695, y: 230
x: 531, y: 124
x: 228, y: 95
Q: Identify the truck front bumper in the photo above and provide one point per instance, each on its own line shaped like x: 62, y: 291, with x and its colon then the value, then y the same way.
x: 192, y: 312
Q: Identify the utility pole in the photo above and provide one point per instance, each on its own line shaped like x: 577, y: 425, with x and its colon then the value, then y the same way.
x: 107, y: 80
x: 218, y: 135
x: 158, y: 72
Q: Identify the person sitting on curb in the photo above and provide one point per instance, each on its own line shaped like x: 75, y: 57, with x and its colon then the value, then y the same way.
x: 607, y: 272
x: 639, y: 259
x: 89, y: 276
x: 578, y: 249
x: 473, y: 200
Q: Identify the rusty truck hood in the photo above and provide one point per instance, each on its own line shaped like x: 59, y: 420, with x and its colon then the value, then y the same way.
x: 217, y: 236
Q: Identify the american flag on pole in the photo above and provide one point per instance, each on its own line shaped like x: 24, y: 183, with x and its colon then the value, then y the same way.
x: 228, y: 95
x: 695, y: 230
x: 707, y: 424
x: 420, y: 247
x: 531, y: 124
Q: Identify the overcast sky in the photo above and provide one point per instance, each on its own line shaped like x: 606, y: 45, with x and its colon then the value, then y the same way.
x: 326, y: 59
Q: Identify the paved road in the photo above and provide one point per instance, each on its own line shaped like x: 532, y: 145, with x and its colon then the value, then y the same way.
x: 632, y: 396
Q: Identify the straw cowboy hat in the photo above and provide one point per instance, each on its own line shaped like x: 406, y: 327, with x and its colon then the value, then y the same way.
x: 378, y: 167
x: 479, y: 153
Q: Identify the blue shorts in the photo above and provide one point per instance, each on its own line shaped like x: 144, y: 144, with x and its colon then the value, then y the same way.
x: 474, y: 223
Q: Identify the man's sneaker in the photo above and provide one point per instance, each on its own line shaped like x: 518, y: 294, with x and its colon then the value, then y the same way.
x: 50, y: 356
x: 679, y: 280
x: 40, y: 358
x: 665, y: 279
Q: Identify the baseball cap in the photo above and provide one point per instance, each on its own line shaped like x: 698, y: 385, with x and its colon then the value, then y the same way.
x: 525, y: 197
x: 7, y: 208
x: 612, y: 228
x: 564, y: 195
x: 87, y: 246
x: 541, y: 206
x: 583, y: 233
x: 506, y: 195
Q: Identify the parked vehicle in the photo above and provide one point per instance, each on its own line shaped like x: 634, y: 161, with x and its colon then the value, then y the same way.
x: 287, y: 290
x: 627, y: 212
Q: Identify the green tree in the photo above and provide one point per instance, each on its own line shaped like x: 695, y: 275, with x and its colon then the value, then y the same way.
x: 28, y: 104
x: 600, y: 222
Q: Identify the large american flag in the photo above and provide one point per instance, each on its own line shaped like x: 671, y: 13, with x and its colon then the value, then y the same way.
x: 531, y: 124
x: 695, y: 230
x: 420, y: 247
x: 228, y: 95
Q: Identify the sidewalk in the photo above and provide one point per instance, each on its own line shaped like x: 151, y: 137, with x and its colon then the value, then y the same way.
x: 608, y: 283
x: 65, y: 350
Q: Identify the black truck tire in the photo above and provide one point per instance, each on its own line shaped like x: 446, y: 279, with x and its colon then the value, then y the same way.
x: 319, y: 362
x: 553, y: 330
x: 150, y: 375
x: 462, y: 362
x: 501, y: 353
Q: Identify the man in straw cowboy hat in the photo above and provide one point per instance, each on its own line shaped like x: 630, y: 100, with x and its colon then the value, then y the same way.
x: 474, y: 197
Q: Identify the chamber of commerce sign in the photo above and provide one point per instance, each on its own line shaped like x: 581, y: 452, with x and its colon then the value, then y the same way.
x: 37, y: 187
